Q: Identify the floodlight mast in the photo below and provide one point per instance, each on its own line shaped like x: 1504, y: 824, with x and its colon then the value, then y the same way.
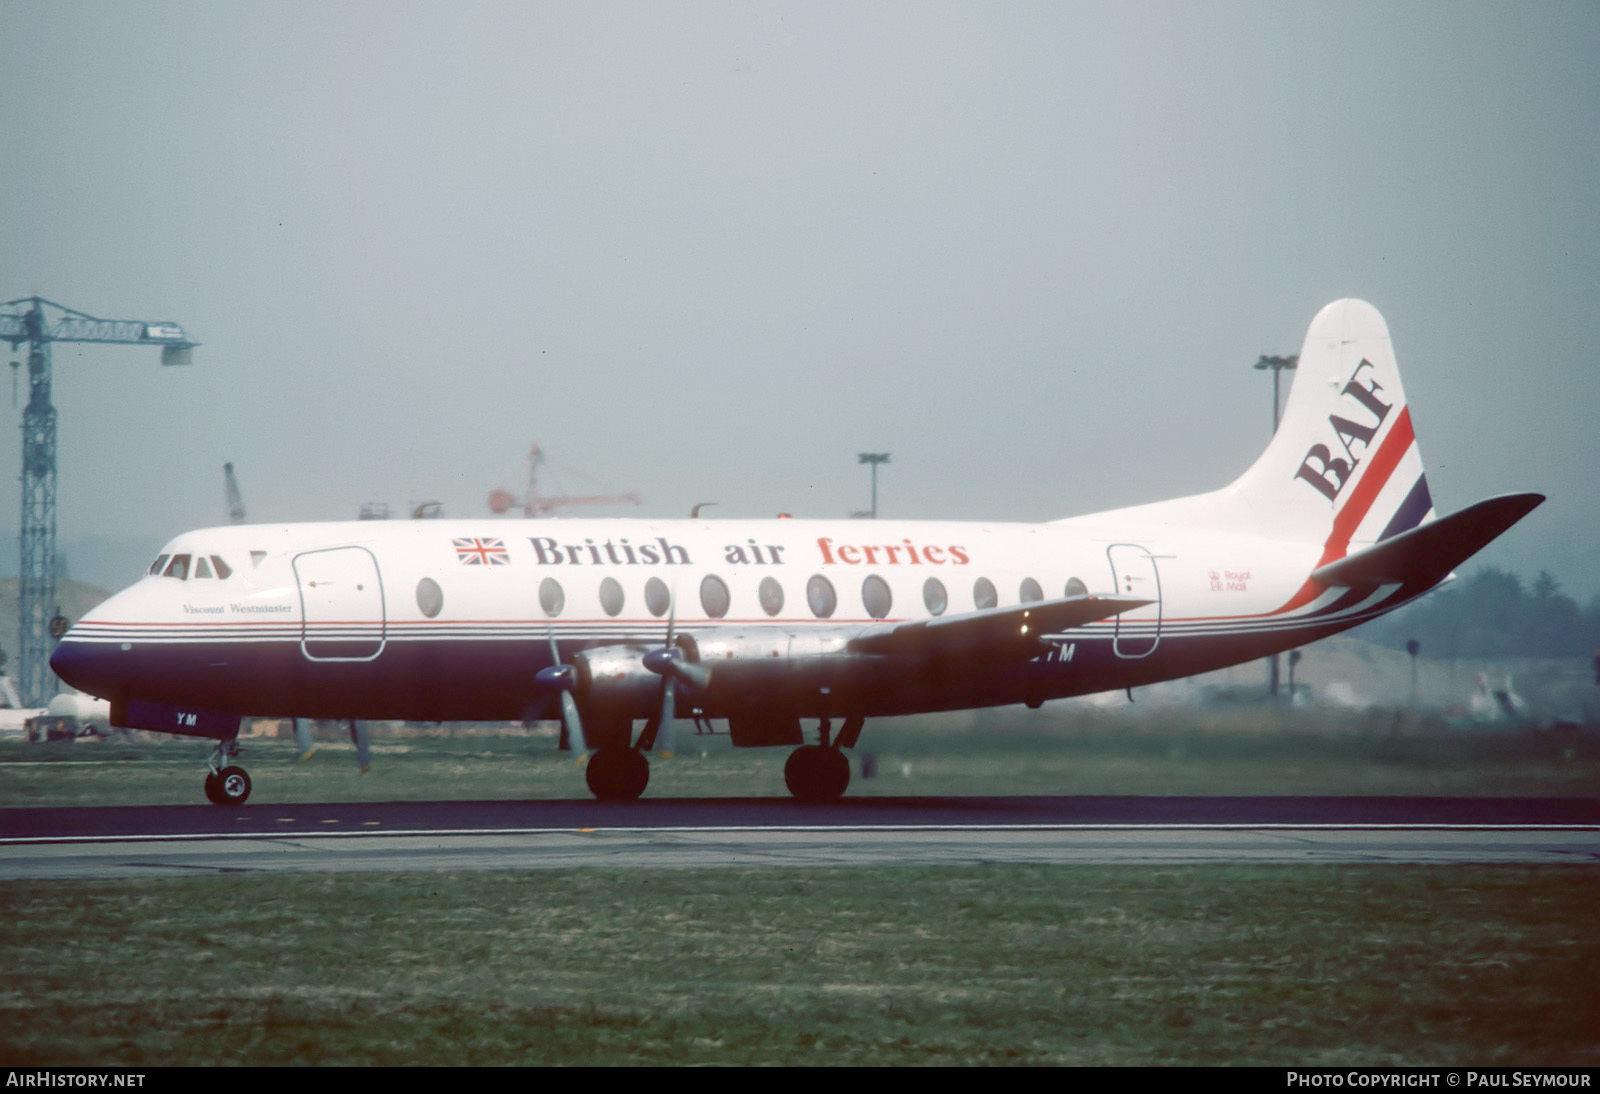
x: 1277, y: 364
x: 874, y: 458
x: 32, y: 324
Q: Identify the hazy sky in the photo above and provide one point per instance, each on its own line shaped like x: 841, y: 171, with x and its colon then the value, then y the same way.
x: 712, y: 251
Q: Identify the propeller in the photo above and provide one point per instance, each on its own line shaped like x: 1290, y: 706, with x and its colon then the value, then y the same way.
x: 564, y: 678
x: 671, y: 665
x: 305, y: 745
x: 360, y: 738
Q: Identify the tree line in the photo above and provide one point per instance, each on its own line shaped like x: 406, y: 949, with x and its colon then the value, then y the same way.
x: 1493, y: 613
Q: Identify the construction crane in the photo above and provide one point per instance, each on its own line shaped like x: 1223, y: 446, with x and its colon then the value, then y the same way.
x: 502, y: 501
x: 235, y: 499
x: 37, y: 322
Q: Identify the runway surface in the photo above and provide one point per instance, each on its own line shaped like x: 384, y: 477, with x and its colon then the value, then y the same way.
x: 148, y: 841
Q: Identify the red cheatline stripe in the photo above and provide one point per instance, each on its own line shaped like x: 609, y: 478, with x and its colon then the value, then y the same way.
x: 1345, y: 522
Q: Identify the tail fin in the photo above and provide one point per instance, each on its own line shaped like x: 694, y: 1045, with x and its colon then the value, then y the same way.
x: 1343, y: 468
x: 1343, y: 472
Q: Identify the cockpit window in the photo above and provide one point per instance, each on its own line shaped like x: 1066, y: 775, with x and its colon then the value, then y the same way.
x: 204, y: 566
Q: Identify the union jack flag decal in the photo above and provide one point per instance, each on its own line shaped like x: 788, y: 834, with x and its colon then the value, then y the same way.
x: 481, y: 552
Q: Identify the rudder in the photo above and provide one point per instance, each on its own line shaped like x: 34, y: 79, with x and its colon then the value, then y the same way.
x: 1343, y: 467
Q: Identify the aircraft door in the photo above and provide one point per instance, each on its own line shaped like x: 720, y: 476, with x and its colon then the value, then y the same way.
x: 1134, y: 569
x: 341, y: 600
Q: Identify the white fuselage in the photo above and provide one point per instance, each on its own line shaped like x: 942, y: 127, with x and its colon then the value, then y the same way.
x: 447, y: 619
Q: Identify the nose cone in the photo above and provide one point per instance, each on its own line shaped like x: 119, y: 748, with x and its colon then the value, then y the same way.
x: 92, y: 656
x: 86, y: 666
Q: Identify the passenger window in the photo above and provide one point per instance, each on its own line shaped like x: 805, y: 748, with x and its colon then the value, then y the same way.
x: 551, y: 598
x: 178, y: 567
x: 1076, y: 587
x: 430, y: 598
x: 771, y: 595
x: 934, y: 598
x: 983, y: 594
x: 656, y: 597
x: 155, y: 567
x: 714, y: 596
x: 821, y: 597
x: 1030, y: 591
x: 611, y: 596
x: 875, y: 596
x: 223, y: 570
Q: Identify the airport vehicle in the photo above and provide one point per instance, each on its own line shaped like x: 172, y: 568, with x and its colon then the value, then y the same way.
x: 71, y: 716
x: 603, y: 623
x: 15, y: 719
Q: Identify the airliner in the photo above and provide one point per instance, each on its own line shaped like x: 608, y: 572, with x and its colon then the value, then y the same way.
x: 793, y: 631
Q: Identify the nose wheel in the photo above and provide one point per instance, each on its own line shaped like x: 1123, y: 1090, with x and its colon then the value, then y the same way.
x: 230, y: 786
x: 226, y: 784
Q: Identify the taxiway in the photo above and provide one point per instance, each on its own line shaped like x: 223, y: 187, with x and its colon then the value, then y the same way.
x: 136, y: 841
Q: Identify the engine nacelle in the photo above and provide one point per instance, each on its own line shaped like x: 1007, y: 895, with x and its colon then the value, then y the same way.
x: 614, y: 683
x: 719, y: 644
x: 764, y: 677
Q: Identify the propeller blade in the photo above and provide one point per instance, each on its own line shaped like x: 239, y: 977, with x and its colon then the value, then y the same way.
x: 564, y: 678
x: 668, y: 717
x: 569, y: 715
x: 363, y: 743
x: 692, y: 673
x: 304, y: 746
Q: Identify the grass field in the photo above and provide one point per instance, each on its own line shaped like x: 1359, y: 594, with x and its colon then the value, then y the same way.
x: 1014, y: 965
x: 1026, y: 965
x: 995, y: 752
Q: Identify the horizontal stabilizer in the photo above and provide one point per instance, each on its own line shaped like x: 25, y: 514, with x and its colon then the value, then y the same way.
x: 996, y: 632
x: 1428, y: 553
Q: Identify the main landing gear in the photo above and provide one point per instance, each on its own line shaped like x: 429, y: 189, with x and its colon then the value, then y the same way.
x: 617, y: 772
x: 226, y: 784
x: 821, y: 772
x: 817, y: 773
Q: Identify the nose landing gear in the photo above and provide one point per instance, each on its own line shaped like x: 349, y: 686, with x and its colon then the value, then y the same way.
x: 226, y: 784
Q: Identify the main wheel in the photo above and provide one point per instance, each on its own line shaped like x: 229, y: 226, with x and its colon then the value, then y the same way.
x: 815, y: 773
x: 617, y: 773
x: 230, y: 786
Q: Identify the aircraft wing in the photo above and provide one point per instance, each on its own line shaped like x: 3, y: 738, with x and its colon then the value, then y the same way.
x: 1015, y: 632
x: 1430, y: 551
